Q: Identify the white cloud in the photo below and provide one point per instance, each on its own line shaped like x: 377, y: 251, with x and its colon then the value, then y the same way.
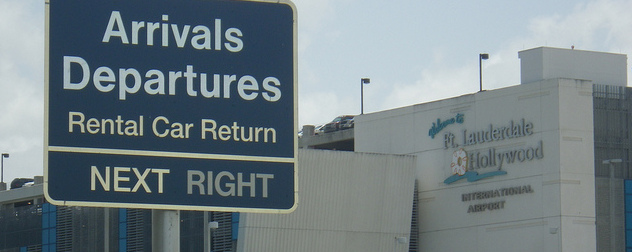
x: 596, y: 26
x: 434, y: 84
x: 21, y: 87
x: 318, y: 108
x: 599, y: 25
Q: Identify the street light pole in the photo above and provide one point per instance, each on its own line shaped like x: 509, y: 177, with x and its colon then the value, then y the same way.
x: 481, y: 57
x: 610, y: 163
x: 4, y: 155
x: 212, y: 226
x: 362, y: 82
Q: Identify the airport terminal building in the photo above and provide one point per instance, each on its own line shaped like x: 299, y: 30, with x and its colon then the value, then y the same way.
x: 539, y: 166
x: 522, y: 168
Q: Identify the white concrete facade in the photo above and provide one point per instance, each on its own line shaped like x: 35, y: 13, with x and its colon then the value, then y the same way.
x: 544, y: 63
x: 348, y: 202
x: 540, y: 195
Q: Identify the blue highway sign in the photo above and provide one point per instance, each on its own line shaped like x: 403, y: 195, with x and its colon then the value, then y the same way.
x: 161, y: 104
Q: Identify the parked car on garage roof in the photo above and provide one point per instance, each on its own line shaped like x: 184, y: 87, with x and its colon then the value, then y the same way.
x: 347, y: 124
x: 336, y: 124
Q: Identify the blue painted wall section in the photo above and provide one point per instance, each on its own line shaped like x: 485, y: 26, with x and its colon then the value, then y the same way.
x: 235, y: 226
x: 49, y: 228
x: 122, y: 229
x: 628, y: 215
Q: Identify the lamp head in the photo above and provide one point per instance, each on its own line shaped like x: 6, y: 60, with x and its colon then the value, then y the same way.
x: 612, y: 161
x: 5, y: 155
x: 484, y: 56
x: 366, y: 80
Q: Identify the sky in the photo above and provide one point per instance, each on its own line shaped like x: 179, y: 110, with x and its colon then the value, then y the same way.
x: 414, y: 51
